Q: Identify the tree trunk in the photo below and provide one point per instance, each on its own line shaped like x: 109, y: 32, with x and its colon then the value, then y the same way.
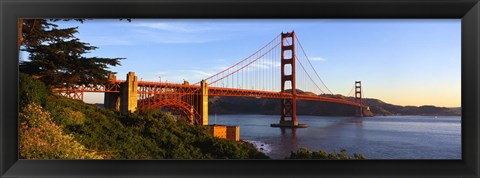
x: 20, y: 34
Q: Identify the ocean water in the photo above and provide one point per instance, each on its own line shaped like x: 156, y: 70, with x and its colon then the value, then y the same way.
x: 379, y: 137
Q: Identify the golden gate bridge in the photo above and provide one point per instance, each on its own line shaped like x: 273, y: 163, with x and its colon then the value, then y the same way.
x: 270, y: 72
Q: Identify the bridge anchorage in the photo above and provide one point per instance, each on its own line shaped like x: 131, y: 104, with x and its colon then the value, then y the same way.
x: 256, y: 76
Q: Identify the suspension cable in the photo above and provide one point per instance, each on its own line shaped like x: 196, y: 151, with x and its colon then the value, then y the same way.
x: 307, y: 72
x: 298, y: 40
x: 350, y: 90
x: 245, y: 65
x: 241, y: 60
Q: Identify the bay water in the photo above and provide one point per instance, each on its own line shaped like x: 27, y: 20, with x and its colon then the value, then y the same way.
x: 378, y: 137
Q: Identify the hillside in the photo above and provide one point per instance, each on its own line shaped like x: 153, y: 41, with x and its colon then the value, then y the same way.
x: 55, y: 127
x: 379, y: 107
x: 239, y: 105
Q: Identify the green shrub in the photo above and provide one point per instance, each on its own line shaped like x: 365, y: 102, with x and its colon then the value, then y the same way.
x: 40, y: 138
x: 143, y: 135
x: 31, y: 90
x: 304, y: 153
x: 71, y: 117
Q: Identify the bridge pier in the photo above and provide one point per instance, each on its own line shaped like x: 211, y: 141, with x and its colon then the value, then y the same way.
x: 202, y: 103
x: 112, y: 100
x: 129, y: 92
x: 126, y: 100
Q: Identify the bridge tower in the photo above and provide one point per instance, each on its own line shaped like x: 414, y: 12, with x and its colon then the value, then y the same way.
x: 288, y: 106
x: 358, y: 97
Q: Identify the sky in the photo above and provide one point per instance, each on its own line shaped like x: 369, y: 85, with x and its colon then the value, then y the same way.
x: 404, y: 62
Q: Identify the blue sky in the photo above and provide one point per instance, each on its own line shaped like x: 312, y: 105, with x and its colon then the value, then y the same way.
x: 404, y: 62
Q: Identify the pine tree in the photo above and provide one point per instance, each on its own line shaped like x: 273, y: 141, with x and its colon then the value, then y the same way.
x: 35, y: 31
x: 56, y: 56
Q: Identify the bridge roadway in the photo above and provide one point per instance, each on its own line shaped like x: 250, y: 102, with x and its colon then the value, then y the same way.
x: 153, y: 88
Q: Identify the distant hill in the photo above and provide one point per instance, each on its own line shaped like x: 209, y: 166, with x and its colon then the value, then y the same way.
x: 240, y: 105
x: 379, y: 107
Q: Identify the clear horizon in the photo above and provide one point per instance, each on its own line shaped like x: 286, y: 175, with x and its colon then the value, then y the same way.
x: 402, y: 62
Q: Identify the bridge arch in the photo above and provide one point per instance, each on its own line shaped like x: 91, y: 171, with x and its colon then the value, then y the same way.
x: 179, y: 107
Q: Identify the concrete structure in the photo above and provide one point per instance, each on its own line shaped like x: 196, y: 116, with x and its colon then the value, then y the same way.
x: 226, y: 132
x: 219, y: 131
x: 203, y: 103
x: 126, y: 100
x: 233, y: 133
x: 112, y: 100
x: 129, y: 90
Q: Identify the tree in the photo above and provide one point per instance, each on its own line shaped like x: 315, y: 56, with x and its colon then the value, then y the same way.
x: 34, y: 31
x: 304, y: 153
x: 56, y: 56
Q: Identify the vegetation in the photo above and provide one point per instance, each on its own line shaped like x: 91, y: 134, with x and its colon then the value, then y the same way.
x: 31, y: 91
x: 104, y: 133
x: 32, y: 32
x: 304, y: 153
x: 40, y: 138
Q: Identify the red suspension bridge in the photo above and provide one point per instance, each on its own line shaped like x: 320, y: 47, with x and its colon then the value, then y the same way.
x: 273, y: 71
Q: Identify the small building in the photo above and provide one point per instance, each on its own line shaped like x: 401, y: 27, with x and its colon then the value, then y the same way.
x: 219, y: 131
x: 226, y: 132
x: 233, y: 133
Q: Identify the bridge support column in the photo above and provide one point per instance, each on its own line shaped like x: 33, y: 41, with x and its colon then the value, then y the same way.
x: 358, y: 97
x: 192, y: 114
x: 128, y: 93
x: 203, y: 103
x: 111, y: 100
x: 288, y: 106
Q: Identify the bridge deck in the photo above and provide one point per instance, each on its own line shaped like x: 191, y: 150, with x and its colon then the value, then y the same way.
x: 213, y: 91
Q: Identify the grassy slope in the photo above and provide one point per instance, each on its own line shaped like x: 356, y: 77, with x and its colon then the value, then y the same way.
x: 153, y: 135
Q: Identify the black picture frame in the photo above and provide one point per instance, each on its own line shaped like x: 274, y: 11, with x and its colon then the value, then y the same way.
x: 466, y: 10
